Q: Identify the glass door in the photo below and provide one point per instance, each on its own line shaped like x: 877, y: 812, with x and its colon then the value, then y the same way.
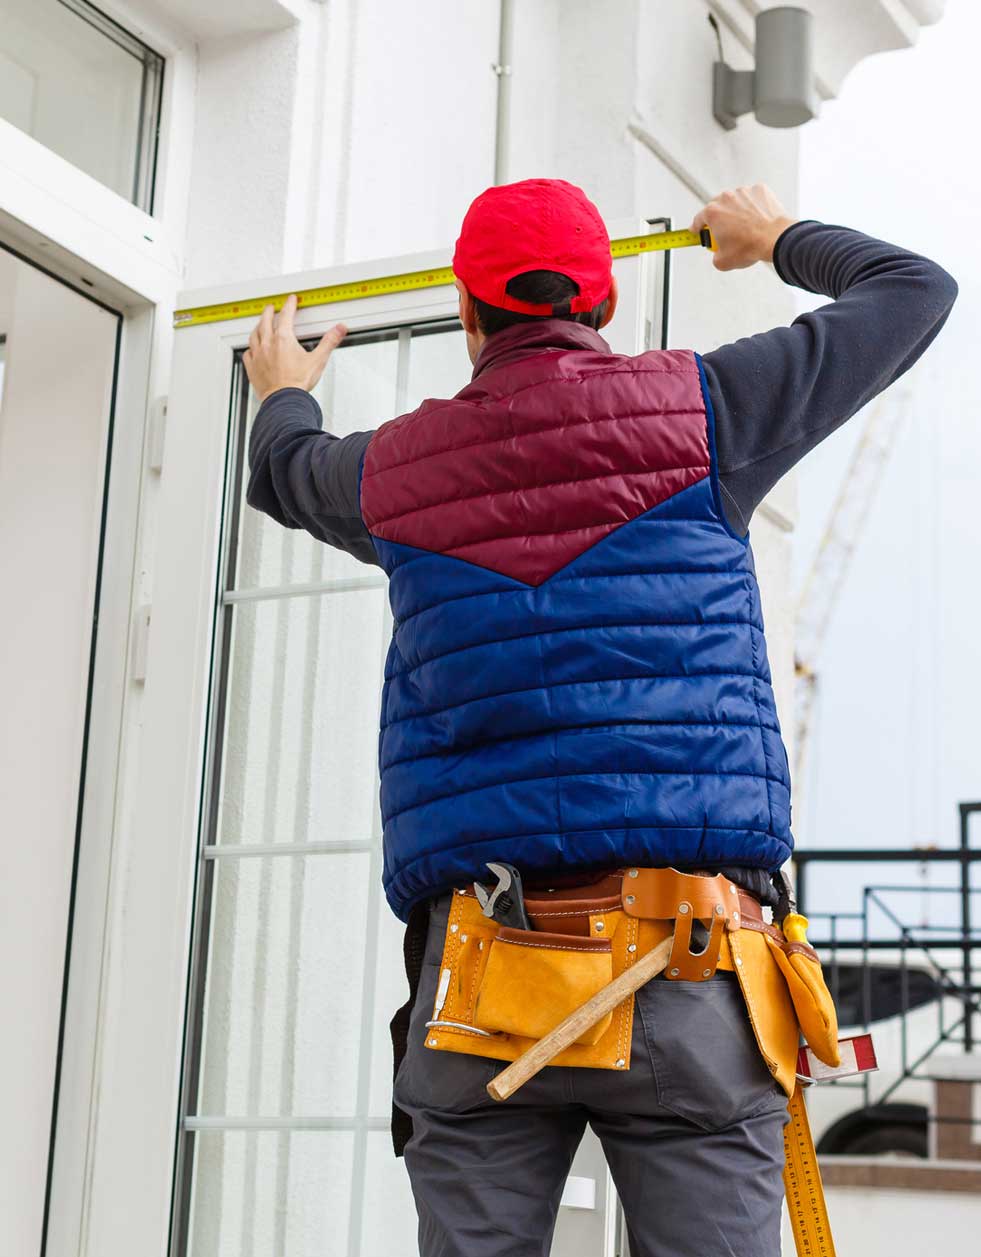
x: 296, y: 961
x: 58, y: 358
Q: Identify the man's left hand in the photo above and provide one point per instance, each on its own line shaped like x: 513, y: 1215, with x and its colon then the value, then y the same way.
x: 275, y: 358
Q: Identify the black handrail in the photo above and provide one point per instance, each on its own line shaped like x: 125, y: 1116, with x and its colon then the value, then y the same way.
x: 966, y: 941
x: 928, y: 940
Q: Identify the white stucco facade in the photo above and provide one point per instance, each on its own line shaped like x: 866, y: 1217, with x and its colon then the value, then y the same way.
x: 299, y: 136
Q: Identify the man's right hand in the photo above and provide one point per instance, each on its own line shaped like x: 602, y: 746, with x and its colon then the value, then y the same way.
x: 745, y: 224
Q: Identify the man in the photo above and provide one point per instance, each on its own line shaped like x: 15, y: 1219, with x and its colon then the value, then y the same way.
x: 578, y: 679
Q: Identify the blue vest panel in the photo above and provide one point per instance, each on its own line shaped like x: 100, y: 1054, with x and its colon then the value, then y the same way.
x: 617, y: 711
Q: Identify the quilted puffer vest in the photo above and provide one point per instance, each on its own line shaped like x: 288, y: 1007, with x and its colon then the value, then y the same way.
x: 578, y: 676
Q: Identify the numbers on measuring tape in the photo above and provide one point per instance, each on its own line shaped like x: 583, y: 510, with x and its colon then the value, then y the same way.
x: 802, y: 1182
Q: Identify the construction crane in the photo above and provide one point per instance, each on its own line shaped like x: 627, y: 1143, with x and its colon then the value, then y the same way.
x: 825, y: 580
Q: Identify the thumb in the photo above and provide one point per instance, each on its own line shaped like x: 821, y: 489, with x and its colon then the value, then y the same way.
x: 328, y: 343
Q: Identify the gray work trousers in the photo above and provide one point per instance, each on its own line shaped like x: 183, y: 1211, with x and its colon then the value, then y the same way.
x: 692, y: 1132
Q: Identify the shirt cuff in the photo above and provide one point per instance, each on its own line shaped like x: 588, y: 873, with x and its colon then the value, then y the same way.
x: 785, y: 241
x: 299, y: 403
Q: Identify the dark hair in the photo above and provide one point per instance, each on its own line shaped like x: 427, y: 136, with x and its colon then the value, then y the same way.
x: 541, y: 288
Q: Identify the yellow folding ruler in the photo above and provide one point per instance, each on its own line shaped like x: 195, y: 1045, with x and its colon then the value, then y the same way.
x: 438, y: 277
x: 802, y: 1183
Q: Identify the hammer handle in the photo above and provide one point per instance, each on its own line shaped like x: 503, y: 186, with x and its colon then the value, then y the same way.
x: 578, y: 1022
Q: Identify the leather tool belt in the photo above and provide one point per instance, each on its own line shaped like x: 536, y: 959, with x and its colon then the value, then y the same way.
x: 502, y: 989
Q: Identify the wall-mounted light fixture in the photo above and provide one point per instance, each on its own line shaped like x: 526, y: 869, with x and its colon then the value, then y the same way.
x: 780, y: 90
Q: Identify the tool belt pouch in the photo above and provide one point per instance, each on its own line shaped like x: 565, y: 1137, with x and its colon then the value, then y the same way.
x: 533, y: 980
x: 499, y: 994
x: 801, y: 969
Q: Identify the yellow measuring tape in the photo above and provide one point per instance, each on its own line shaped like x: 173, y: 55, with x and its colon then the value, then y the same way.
x: 438, y: 277
x: 802, y: 1183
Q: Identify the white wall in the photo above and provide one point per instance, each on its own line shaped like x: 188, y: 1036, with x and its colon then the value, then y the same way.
x: 53, y: 423
x: 880, y: 1222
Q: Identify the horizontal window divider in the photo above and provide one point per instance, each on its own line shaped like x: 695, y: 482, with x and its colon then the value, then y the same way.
x: 266, y: 593
x: 219, y: 1123
x: 237, y: 850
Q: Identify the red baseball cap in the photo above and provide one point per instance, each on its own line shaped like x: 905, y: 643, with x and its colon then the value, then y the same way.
x: 534, y: 225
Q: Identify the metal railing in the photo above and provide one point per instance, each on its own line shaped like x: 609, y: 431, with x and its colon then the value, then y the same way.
x: 949, y: 953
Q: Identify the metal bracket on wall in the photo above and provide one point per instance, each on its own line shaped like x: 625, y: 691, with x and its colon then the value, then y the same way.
x: 780, y: 90
x: 732, y: 93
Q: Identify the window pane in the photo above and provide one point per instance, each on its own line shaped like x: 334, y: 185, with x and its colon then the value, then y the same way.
x: 439, y: 365
x: 391, y: 992
x: 283, y: 991
x: 295, y: 939
x: 388, y: 1217
x: 271, y: 1192
x: 357, y: 393
x: 301, y: 723
x: 85, y: 88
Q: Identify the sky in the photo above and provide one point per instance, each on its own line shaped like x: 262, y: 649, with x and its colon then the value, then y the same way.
x: 896, y: 745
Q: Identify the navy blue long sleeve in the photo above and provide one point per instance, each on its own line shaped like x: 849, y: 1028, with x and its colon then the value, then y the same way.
x: 304, y: 477
x: 778, y: 394
x: 775, y: 395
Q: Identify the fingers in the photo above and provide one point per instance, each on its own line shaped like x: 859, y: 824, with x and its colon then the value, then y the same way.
x: 286, y: 317
x: 270, y: 323
x: 328, y: 343
x: 264, y: 328
x: 276, y: 359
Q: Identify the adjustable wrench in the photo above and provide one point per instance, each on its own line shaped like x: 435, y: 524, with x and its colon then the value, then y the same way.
x: 505, y: 903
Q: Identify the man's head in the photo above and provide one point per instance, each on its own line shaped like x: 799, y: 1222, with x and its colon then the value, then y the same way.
x: 529, y: 251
